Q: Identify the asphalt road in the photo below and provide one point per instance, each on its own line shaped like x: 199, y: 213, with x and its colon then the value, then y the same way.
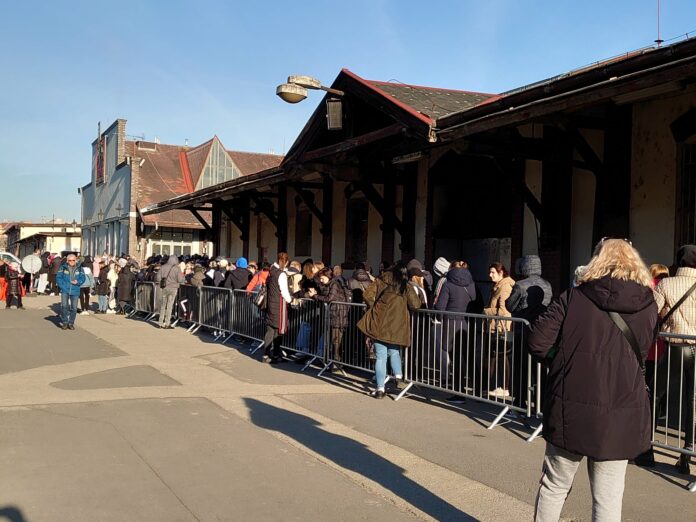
x: 118, y: 420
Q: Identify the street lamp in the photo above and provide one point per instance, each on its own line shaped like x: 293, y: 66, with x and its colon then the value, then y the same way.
x: 74, y: 225
x: 296, y: 90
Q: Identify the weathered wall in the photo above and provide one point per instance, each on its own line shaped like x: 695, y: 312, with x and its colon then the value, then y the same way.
x: 654, y: 175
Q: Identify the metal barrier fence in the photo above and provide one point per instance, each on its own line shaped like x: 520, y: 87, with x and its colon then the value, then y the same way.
x: 480, y: 357
x: 673, y: 393
x: 146, y: 299
x: 245, y: 317
x: 347, y: 346
x: 306, y: 333
x: 188, y: 305
x: 215, y: 309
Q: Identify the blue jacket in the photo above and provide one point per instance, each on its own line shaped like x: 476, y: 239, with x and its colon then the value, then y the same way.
x: 63, y: 279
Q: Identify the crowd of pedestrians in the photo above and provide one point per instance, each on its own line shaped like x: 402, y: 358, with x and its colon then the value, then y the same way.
x: 597, y: 339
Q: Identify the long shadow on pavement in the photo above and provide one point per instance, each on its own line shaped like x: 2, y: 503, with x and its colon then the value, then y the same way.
x: 11, y: 513
x: 352, y: 455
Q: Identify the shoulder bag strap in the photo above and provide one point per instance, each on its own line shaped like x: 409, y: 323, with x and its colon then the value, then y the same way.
x: 628, y: 334
x: 677, y: 305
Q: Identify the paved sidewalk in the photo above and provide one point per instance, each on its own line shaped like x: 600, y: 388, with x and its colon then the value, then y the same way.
x: 119, y: 420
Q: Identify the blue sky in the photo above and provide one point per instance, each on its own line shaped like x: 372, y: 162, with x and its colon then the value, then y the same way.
x: 189, y: 70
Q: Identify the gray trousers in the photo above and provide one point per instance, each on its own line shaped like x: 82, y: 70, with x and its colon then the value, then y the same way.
x: 167, y: 299
x: 606, y: 482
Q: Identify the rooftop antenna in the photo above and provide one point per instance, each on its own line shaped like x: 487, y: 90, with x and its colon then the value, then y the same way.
x: 659, y: 40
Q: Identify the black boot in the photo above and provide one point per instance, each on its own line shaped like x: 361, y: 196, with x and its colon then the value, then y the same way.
x: 683, y: 465
x: 645, y: 460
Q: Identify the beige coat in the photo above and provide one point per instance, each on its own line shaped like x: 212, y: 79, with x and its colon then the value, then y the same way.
x: 496, y: 305
x: 668, y: 292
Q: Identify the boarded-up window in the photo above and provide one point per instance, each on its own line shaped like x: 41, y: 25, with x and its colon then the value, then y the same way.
x: 356, y: 230
x: 303, y: 231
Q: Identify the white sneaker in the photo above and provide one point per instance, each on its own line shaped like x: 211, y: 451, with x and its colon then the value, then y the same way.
x: 499, y: 393
x: 110, y: 311
x: 85, y: 312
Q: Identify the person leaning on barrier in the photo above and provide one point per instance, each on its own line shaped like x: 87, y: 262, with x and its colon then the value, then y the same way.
x: 239, y: 278
x: 359, y: 281
x: 595, y: 402
x: 387, y: 321
x: 278, y: 297
x: 676, y: 303
x: 336, y: 292
x: 167, y: 281
x: 259, y: 278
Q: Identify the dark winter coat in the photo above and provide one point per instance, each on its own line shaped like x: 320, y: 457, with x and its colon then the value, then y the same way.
x: 45, y: 265
x: 387, y: 318
x: 337, y: 291
x: 457, y: 292
x: 277, y: 309
x: 103, y: 284
x: 358, y: 283
x: 124, y: 285
x: 531, y: 295
x: 198, y: 277
x: 238, y: 279
x: 595, y: 401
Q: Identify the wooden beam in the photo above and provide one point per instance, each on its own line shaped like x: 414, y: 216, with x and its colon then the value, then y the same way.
x: 377, y: 201
x: 327, y: 223
x: 265, y: 207
x: 574, y: 100
x: 199, y: 218
x: 308, y: 198
x: 353, y: 143
x: 527, y: 195
x: 282, y: 212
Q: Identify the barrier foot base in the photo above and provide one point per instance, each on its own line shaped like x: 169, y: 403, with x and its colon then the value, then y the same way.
x: 175, y: 323
x: 326, y: 367
x: 227, y: 338
x: 314, y: 358
x: 191, y: 328
x: 404, y: 391
x: 499, y: 417
x: 257, y: 348
x: 692, y: 487
x: 536, y: 433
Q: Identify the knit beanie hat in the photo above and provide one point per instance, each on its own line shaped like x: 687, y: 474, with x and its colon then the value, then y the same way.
x: 441, y: 266
x: 686, y: 256
x: 242, y: 263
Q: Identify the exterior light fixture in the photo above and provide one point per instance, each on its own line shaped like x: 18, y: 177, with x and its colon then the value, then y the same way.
x: 296, y: 90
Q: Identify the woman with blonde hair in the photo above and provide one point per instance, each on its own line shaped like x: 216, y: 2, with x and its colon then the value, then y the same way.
x: 594, y: 338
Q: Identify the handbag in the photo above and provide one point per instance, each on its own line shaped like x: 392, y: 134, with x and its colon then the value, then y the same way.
x: 261, y: 299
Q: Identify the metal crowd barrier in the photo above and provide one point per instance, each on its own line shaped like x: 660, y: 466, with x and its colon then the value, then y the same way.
x: 307, y: 332
x: 673, y: 394
x: 479, y: 357
x: 146, y: 299
x: 346, y: 346
x: 245, y: 317
x: 188, y: 306
x: 215, y: 309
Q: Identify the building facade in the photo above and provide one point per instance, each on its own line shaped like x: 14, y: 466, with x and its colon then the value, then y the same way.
x: 24, y: 238
x: 130, y: 175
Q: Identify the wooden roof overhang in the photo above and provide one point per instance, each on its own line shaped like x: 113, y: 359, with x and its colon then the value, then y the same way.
x: 636, y: 75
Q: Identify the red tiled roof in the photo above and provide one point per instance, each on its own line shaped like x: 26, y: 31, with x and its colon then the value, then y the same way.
x: 251, y: 162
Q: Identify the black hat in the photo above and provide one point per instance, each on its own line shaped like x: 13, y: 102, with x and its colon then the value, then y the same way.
x: 686, y: 256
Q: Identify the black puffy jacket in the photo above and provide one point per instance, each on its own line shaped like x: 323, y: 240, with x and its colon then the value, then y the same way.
x: 457, y: 292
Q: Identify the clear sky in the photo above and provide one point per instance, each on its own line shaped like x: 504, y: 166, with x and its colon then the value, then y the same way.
x: 188, y: 70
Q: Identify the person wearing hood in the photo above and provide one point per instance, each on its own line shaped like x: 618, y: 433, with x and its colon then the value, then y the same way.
x: 440, y: 269
x: 595, y: 402
x: 124, y: 288
x: 530, y: 296
x: 239, y: 278
x: 198, y: 278
x: 69, y: 279
x: 676, y: 370
x: 168, y: 279
x: 360, y: 280
x: 456, y: 294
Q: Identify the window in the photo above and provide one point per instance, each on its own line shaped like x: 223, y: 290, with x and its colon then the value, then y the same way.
x: 686, y: 195
x: 218, y: 168
x: 303, y: 231
x: 356, y: 230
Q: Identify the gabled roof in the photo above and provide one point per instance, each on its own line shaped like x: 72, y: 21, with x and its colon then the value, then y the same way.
x: 163, y: 174
x: 431, y: 102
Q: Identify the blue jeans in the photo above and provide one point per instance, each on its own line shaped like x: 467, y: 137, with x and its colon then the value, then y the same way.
x: 384, y: 351
x: 68, y: 308
x: 103, y: 302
